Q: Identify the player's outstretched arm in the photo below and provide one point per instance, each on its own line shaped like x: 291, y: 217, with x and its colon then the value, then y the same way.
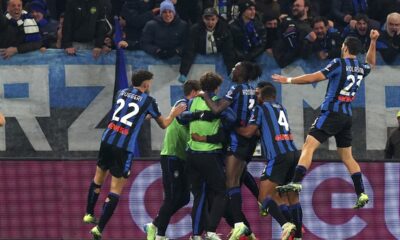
x: 175, y: 111
x: 2, y: 120
x: 303, y: 79
x: 371, y: 54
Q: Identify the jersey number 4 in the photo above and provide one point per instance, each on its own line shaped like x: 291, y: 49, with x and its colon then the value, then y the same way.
x: 128, y: 115
x: 282, y: 120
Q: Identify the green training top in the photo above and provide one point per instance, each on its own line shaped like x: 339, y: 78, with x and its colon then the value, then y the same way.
x: 175, y: 140
x: 203, y: 128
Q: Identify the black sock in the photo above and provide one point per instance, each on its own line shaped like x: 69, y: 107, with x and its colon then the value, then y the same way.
x: 358, y: 183
x: 297, y: 216
x: 285, y: 211
x: 235, y: 204
x: 299, y: 173
x: 108, y: 209
x: 274, y: 210
x: 92, y: 197
x: 251, y: 184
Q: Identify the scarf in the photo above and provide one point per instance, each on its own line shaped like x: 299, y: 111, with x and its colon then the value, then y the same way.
x: 251, y: 38
x: 31, y: 29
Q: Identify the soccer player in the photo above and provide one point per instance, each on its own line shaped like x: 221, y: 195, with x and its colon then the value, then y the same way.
x: 205, y: 166
x: 241, y: 98
x: 2, y: 120
x: 118, y: 143
x: 345, y: 75
x: 270, y: 118
x: 173, y: 160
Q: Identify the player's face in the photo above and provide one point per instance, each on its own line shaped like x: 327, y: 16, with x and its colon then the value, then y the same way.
x: 236, y: 72
x: 344, y: 49
x: 148, y: 85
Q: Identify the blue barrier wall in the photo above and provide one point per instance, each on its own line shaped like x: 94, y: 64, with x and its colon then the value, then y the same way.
x: 56, y: 105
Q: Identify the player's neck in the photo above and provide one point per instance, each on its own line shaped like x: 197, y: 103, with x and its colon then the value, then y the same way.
x: 346, y: 55
x: 142, y: 89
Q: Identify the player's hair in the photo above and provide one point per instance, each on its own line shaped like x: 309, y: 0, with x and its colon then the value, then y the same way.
x: 210, y: 81
x: 250, y: 71
x: 139, y: 76
x: 262, y: 84
x: 353, y: 44
x: 190, y: 85
x: 268, y: 91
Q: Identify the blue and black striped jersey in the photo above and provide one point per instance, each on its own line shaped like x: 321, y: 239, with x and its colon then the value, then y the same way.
x: 131, y: 108
x: 345, y: 76
x: 243, y: 99
x: 276, y: 137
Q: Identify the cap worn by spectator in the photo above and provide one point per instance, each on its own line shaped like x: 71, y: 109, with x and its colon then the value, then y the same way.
x: 210, y: 12
x: 38, y: 6
x: 243, y: 5
x: 167, y: 5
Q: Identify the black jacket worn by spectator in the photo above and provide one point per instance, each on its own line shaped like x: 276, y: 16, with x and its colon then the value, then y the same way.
x: 196, y: 44
x: 85, y: 22
x: 388, y: 46
x: 136, y: 14
x: 12, y: 33
x: 293, y: 42
x: 238, y: 30
x: 159, y: 37
x: 331, y: 44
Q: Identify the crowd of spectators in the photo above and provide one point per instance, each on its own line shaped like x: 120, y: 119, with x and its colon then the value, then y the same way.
x: 236, y: 29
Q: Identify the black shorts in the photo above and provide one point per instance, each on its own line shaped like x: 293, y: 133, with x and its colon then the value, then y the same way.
x: 329, y: 124
x: 117, y: 160
x: 242, y: 147
x: 281, y: 169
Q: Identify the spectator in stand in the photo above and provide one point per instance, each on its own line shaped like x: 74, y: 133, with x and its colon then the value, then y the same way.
x: 389, y: 40
x: 392, y: 149
x: 47, y: 26
x: 85, y: 26
x: 209, y: 36
x: 135, y: 14
x: 249, y: 34
x: 271, y: 24
x: 379, y: 9
x: 19, y: 32
x: 59, y: 31
x: 344, y: 12
x: 227, y: 9
x: 163, y: 37
x: 329, y: 42
x: 297, y: 35
x: 268, y: 8
x: 360, y: 30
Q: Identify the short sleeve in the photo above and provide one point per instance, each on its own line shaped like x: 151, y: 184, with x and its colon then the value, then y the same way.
x: 332, y: 68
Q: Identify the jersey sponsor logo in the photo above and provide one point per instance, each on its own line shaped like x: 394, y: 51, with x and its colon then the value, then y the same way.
x: 345, y: 98
x: 119, y: 129
x: 283, y: 137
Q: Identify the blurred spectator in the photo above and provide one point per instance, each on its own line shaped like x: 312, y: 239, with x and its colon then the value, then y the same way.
x: 360, y: 30
x: 210, y: 36
x: 296, y: 35
x: 85, y: 26
x: 392, y: 149
x: 343, y: 11
x: 389, y: 41
x: 116, y: 7
x: 59, y: 31
x: 249, y: 34
x: 379, y: 9
x: 189, y: 10
x: 270, y: 8
x: 163, y: 37
x: 19, y: 32
x: 135, y: 14
x: 271, y: 24
x: 56, y: 8
x: 329, y: 42
x: 223, y: 7
x: 47, y: 26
